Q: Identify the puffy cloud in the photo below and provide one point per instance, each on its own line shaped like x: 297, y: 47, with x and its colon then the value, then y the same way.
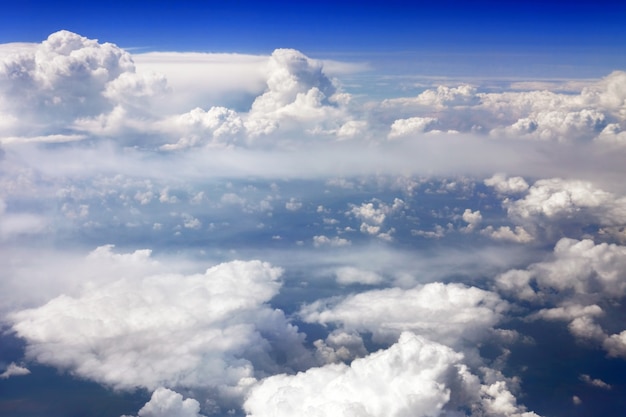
x: 578, y: 266
x: 69, y: 83
x: 444, y: 96
x: 299, y: 92
x: 553, y: 207
x: 412, y: 125
x: 293, y: 204
x: 523, y: 114
x: 14, y: 370
x: 557, y: 125
x: 504, y: 185
x: 414, y: 376
x: 373, y: 215
x: 472, y: 218
x: 615, y: 344
x: 598, y: 383
x: 322, y: 240
x: 518, y: 234
x: 452, y: 314
x: 217, y: 126
x: 167, y: 403
x: 580, y: 277
x: 211, y: 330
x: 339, y: 346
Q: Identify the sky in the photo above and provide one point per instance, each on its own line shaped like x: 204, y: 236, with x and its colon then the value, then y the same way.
x: 354, y: 209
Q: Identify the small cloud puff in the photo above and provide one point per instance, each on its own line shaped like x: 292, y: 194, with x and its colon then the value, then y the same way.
x: 14, y: 370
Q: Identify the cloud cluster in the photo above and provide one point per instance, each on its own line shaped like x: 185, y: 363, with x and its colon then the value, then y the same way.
x: 66, y: 79
x: 373, y: 215
x: 211, y: 330
x: 597, y: 112
x: 415, y: 376
x: 219, y: 156
x: 581, y: 277
x: 556, y: 207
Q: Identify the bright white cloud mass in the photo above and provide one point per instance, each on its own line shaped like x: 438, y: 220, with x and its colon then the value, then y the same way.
x: 257, y: 235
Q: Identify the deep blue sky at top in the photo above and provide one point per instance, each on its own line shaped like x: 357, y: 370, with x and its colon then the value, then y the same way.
x: 342, y: 26
x: 574, y: 34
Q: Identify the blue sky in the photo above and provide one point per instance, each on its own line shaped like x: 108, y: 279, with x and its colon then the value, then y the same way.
x: 328, y: 26
x: 250, y: 208
x: 531, y: 39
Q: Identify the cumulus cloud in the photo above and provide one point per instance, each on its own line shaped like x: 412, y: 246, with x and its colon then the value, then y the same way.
x: 167, y: 403
x: 552, y: 208
x: 578, y: 266
x: 414, y: 376
x: 70, y: 78
x: 373, y: 216
x: 580, y: 277
x: 211, y: 330
x: 322, y: 240
x: 473, y: 220
x: 405, y: 127
x: 14, y: 370
x: 452, y: 314
x: 594, y: 382
x: 537, y: 114
x: 506, y: 186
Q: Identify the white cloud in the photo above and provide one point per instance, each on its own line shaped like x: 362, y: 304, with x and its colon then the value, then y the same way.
x: 373, y: 216
x: 14, y: 370
x: 415, y: 376
x: 594, y: 382
x: 518, y: 234
x: 410, y: 126
x: 293, y: 204
x: 552, y: 208
x: 504, y: 185
x: 321, y: 240
x: 472, y: 218
x: 167, y: 403
x: 149, y: 330
x: 452, y: 314
x: 63, y: 78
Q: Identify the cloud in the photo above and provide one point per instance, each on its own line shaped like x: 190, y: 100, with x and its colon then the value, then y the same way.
x: 598, y: 383
x: 452, y: 314
x: 350, y: 275
x: 14, y: 224
x: 14, y: 370
x: 62, y: 79
x: 414, y: 376
x: 581, y: 277
x: 552, y: 208
x: 412, y: 125
x: 211, y: 330
x: 167, y: 403
x: 322, y: 240
x: 373, y: 215
x: 577, y: 266
x: 579, y: 115
x: 504, y: 185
